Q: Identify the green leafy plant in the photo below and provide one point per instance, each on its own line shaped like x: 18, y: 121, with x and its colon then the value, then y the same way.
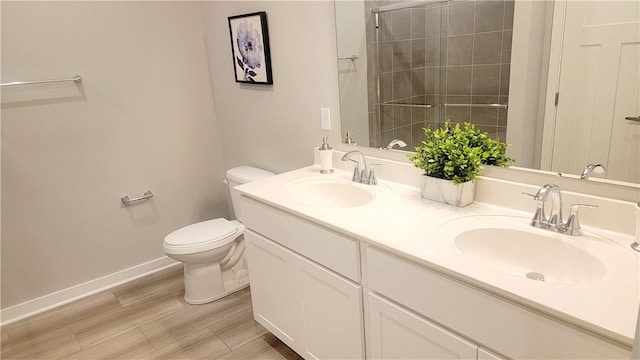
x: 457, y: 154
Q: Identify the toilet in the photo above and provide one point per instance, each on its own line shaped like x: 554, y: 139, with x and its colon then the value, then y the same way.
x: 213, y: 251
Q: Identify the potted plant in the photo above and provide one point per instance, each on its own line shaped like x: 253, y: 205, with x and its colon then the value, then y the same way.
x: 452, y: 158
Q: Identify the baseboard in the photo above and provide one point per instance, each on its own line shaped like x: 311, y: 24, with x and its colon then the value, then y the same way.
x: 64, y: 296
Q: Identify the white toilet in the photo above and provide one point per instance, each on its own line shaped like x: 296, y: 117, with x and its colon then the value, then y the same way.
x: 213, y: 251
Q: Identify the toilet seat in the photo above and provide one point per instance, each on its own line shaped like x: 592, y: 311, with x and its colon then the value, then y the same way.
x: 202, y: 236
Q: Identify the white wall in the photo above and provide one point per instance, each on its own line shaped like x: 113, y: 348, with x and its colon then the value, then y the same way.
x: 352, y: 40
x: 142, y: 119
x: 276, y: 127
x: 529, y: 63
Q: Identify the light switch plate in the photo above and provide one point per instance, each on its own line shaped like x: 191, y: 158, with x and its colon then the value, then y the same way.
x: 325, y: 119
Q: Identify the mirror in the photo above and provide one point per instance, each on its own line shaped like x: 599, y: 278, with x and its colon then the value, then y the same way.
x: 499, y: 65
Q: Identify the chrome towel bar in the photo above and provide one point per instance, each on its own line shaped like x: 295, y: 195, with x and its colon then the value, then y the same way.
x: 352, y: 58
x: 411, y: 105
x: 498, y: 106
x: 75, y: 78
x: 127, y: 201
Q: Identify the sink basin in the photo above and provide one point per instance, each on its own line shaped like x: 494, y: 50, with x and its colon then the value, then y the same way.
x: 510, y: 245
x: 333, y: 192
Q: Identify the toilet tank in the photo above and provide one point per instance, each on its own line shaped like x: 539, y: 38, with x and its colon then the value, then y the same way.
x: 242, y: 175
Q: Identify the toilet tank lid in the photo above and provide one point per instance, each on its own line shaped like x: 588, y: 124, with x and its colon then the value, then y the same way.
x: 245, y: 174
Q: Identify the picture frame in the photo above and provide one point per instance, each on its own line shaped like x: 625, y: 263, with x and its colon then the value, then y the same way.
x: 250, y: 48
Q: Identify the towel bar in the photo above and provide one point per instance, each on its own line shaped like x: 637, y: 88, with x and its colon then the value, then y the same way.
x: 75, y: 78
x: 127, y: 201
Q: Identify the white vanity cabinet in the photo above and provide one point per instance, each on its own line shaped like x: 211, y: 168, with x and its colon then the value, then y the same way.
x: 304, y: 283
x: 485, y: 319
x: 321, y: 292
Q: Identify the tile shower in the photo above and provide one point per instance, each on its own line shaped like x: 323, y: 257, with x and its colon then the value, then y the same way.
x: 455, y: 53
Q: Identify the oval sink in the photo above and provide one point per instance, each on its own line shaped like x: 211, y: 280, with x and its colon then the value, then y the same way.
x: 331, y: 193
x: 510, y: 245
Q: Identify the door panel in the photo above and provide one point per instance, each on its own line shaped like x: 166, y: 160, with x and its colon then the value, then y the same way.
x: 598, y: 88
x: 399, y: 334
x: 332, y: 313
x: 273, y: 288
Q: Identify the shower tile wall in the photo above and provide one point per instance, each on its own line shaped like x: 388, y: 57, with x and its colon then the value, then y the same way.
x: 455, y: 52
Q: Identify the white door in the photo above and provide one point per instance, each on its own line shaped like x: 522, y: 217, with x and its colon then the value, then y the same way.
x: 599, y: 86
x: 398, y: 334
x: 332, y: 318
x: 273, y: 288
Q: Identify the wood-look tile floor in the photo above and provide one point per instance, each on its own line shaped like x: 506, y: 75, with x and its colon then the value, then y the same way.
x: 145, y: 319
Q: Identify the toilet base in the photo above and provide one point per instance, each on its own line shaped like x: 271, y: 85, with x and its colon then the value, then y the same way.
x: 204, y: 283
x: 214, y: 298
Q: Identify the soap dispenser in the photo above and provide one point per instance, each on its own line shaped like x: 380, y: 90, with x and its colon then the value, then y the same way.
x: 349, y: 140
x: 326, y: 157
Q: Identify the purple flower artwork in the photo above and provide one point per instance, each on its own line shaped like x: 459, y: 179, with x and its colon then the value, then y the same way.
x: 250, y: 48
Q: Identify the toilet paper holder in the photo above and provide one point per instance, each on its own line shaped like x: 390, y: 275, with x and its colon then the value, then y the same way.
x: 128, y: 201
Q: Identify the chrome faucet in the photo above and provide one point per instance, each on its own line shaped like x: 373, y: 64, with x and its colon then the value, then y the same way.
x: 555, y: 215
x: 361, y: 173
x: 553, y: 220
x: 395, y: 142
x: 593, y: 167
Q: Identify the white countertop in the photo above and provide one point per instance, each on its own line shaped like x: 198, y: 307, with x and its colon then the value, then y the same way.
x: 400, y: 221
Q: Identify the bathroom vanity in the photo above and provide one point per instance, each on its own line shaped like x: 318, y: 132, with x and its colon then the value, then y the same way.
x: 355, y: 271
x: 307, y: 283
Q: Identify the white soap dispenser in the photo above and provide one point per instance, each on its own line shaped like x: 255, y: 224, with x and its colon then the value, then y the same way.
x: 326, y: 157
x: 349, y: 139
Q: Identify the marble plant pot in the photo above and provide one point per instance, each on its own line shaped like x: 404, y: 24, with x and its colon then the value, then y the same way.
x: 445, y: 191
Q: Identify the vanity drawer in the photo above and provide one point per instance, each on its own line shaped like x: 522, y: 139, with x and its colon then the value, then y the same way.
x: 486, y: 319
x: 325, y: 247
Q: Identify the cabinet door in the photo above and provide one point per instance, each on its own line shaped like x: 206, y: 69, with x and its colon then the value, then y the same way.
x: 332, y: 318
x: 273, y: 289
x: 396, y: 333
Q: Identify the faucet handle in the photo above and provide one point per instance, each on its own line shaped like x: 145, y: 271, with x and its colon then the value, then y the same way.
x: 572, y: 227
x: 578, y: 206
x: 372, y: 180
x: 356, y: 171
x: 538, y: 219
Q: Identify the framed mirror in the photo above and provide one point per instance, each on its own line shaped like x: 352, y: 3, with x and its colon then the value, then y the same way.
x: 406, y: 65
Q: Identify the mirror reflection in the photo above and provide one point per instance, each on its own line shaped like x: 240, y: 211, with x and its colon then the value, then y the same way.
x: 408, y: 65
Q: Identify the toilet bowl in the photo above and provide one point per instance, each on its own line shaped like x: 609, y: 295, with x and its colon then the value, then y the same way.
x: 213, y: 251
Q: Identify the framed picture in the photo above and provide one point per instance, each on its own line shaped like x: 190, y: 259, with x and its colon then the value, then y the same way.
x: 250, y: 48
